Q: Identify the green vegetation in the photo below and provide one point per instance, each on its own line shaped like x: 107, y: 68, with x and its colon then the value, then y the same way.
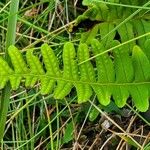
x: 74, y: 76
x: 132, y: 73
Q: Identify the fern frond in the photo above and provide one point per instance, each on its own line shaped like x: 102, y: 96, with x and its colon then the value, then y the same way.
x: 120, y: 77
x: 115, y: 23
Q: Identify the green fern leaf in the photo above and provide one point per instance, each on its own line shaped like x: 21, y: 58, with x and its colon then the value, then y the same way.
x: 52, y: 68
x: 70, y: 72
x: 126, y: 33
x: 84, y: 91
x: 124, y: 74
x: 140, y: 93
x: 90, y: 35
x: 18, y: 65
x: 36, y: 69
x: 114, y: 19
x: 105, y: 28
x: 5, y: 72
x: 146, y: 48
x: 105, y: 71
x: 120, y: 77
x: 141, y: 27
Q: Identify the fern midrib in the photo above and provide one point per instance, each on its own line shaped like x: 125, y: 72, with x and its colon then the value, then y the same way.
x: 78, y: 81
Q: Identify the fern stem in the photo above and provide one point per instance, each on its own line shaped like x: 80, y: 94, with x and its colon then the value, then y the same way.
x: 10, y: 40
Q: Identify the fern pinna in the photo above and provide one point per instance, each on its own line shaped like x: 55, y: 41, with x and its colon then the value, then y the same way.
x: 118, y: 75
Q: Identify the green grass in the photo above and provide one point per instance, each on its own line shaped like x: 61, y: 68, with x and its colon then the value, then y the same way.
x: 30, y: 121
x: 10, y: 40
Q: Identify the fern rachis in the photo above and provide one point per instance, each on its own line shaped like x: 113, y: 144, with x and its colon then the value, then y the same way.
x: 122, y: 77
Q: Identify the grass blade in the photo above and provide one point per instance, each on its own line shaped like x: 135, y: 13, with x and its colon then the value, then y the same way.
x: 10, y: 39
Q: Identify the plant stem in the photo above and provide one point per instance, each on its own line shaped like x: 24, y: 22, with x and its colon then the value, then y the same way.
x: 10, y: 40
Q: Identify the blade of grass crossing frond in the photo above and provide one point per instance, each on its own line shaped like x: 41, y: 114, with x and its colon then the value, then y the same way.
x: 115, y: 47
x: 10, y: 39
